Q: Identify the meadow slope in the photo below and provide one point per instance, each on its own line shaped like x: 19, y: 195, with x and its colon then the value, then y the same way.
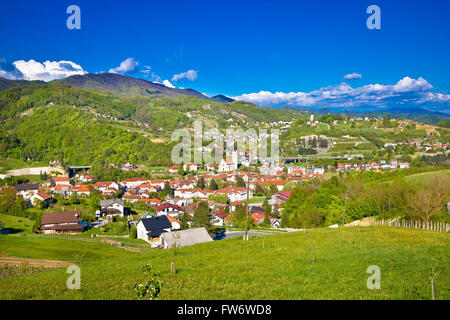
x: 317, y: 264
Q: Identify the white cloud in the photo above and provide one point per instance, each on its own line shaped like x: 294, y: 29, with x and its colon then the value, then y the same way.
x: 352, y: 76
x: 33, y: 70
x: 126, y: 66
x: 168, y: 84
x: 191, y: 75
x: 407, y: 90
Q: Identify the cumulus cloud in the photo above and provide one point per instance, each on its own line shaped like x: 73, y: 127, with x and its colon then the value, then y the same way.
x: 168, y: 84
x: 33, y: 70
x: 405, y: 91
x: 126, y: 66
x: 190, y: 75
x: 148, y: 73
x: 352, y: 76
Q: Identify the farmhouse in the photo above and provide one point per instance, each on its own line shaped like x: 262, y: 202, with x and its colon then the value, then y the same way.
x: 40, y: 196
x: 27, y: 190
x: 56, y: 181
x: 67, y: 222
x: 151, y: 229
x: 112, y: 207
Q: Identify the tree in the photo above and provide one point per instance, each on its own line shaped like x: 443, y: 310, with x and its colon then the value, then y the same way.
x: 285, y: 220
x: 94, y: 202
x: 181, y: 171
x: 239, y: 215
x: 74, y: 199
x: 386, y: 122
x: 240, y: 182
x: 259, y: 190
x: 7, y: 200
x: 201, y: 183
x: 152, y: 287
x: 213, y: 185
x: 427, y: 203
x: 202, y: 217
x: 184, y: 221
x: 267, y: 212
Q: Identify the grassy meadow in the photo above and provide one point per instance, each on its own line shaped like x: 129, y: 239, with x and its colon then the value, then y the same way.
x: 424, y: 177
x: 316, y: 264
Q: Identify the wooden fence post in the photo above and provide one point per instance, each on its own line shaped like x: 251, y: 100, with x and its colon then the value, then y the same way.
x: 432, y: 289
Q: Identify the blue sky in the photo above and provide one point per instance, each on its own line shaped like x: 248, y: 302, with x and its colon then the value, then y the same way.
x: 247, y: 49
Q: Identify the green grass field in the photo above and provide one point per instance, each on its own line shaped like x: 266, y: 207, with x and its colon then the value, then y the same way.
x: 317, y: 264
x: 422, y: 178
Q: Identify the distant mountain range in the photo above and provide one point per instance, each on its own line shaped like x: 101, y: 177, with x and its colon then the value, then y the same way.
x: 129, y: 86
x: 114, y: 83
x: 222, y: 99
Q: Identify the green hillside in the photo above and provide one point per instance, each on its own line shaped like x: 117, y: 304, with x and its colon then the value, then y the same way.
x: 77, y: 126
x: 317, y: 264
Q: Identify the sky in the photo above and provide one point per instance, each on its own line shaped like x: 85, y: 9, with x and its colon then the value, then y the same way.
x: 317, y: 54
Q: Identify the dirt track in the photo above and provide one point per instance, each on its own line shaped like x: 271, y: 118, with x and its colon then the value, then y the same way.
x: 6, y: 261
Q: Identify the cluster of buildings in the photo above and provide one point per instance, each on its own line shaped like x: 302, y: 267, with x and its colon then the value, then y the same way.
x: 421, y: 145
x: 380, y: 166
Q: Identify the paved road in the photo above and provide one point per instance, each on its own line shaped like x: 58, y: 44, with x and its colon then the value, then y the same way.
x: 234, y: 234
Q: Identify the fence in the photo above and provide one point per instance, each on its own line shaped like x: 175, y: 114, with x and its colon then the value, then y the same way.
x: 433, y: 226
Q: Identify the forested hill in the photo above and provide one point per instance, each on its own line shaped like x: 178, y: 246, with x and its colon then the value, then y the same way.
x: 125, y: 85
x: 77, y: 126
x: 6, y: 83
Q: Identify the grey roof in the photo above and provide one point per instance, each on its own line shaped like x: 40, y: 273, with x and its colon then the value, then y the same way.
x: 109, y: 202
x: 27, y: 186
x: 184, y: 238
x: 156, y: 223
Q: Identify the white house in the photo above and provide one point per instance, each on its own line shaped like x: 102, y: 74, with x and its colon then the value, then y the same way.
x: 134, y: 182
x: 151, y: 229
x: 40, y: 196
x: 112, y: 207
x: 190, y: 167
x: 235, y: 193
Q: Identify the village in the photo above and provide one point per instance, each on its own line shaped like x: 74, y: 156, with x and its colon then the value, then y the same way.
x: 164, y: 203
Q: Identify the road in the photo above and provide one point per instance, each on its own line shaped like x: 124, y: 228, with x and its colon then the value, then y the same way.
x: 234, y: 234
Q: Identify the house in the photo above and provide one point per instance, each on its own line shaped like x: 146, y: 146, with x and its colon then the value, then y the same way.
x: 185, y: 238
x: 56, y: 181
x: 259, y: 217
x: 169, y: 209
x: 67, y: 222
x: 85, y: 178
x: 227, y: 165
x: 210, y: 167
x: 235, y: 193
x: 112, y: 207
x: 103, y: 186
x: 190, y: 167
x: 282, y: 197
x: 134, y: 182
x: 130, y: 197
x: 277, y: 183
x: 176, y: 224
x: 218, y: 218
x: 151, y: 229
x: 173, y: 169
x: 84, y: 189
x: 40, y: 196
x: 26, y: 190
x: 159, y: 184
